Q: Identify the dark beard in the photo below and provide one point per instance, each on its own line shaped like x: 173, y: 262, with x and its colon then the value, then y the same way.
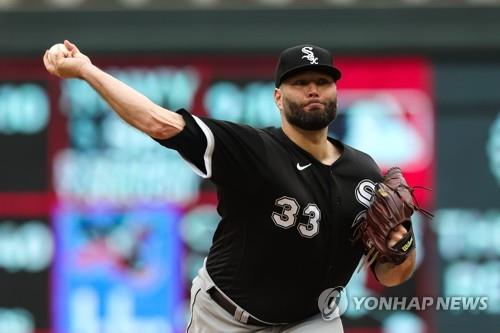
x: 311, y: 120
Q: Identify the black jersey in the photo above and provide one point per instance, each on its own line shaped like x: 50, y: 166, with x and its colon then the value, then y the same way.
x: 287, y: 220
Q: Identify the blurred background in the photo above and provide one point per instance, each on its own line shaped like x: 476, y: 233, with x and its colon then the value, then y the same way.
x: 102, y: 229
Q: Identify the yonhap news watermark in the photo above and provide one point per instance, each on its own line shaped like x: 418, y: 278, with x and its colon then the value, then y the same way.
x: 333, y: 303
x: 453, y: 303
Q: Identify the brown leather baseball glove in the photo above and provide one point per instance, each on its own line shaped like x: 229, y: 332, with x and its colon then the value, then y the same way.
x: 392, y: 204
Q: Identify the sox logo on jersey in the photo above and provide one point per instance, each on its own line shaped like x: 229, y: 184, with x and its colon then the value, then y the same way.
x: 364, y: 194
x: 309, y: 55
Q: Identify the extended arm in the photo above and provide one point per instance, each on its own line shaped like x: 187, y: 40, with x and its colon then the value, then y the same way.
x: 135, y: 108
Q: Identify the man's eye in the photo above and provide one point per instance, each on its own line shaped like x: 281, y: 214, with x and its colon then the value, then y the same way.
x: 323, y: 81
x: 300, y: 82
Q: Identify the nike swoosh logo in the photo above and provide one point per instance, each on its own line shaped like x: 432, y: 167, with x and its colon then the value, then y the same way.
x: 300, y: 167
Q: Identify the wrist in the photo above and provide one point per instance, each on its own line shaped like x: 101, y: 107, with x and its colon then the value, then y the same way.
x: 85, y: 70
x: 407, y: 242
x: 390, y: 274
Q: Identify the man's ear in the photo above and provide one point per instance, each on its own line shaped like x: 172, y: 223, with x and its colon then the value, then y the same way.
x: 278, y: 98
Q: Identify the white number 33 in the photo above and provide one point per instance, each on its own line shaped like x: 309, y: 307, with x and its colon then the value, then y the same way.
x: 288, y: 217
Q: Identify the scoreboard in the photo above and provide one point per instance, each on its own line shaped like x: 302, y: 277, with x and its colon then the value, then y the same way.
x: 102, y: 229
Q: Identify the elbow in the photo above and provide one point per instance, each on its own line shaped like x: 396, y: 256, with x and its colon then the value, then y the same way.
x: 161, y: 131
x: 164, y: 125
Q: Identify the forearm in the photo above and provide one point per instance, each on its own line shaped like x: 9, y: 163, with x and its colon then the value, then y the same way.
x: 391, y: 275
x: 135, y: 108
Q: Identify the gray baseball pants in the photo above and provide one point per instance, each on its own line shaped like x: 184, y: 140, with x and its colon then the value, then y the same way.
x: 208, y: 317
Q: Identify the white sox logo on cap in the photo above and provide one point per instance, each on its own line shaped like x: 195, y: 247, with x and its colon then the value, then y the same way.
x: 309, y: 55
x: 303, y: 57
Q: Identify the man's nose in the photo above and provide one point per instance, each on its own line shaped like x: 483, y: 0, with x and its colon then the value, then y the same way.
x: 312, y: 89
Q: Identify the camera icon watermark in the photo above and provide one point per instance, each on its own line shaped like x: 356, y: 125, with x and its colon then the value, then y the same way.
x: 333, y: 302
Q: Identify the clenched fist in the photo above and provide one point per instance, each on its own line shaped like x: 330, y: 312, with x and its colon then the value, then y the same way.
x: 65, y: 61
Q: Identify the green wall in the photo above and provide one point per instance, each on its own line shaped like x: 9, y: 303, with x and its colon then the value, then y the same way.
x: 433, y: 31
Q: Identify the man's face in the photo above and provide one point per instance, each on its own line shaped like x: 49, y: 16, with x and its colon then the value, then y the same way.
x: 308, y: 100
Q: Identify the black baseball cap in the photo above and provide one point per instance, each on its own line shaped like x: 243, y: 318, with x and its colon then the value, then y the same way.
x: 304, y: 57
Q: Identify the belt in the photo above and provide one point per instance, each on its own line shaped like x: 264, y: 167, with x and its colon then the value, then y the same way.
x: 235, y: 311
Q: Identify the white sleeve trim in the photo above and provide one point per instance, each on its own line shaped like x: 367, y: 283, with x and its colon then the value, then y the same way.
x: 207, y: 157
